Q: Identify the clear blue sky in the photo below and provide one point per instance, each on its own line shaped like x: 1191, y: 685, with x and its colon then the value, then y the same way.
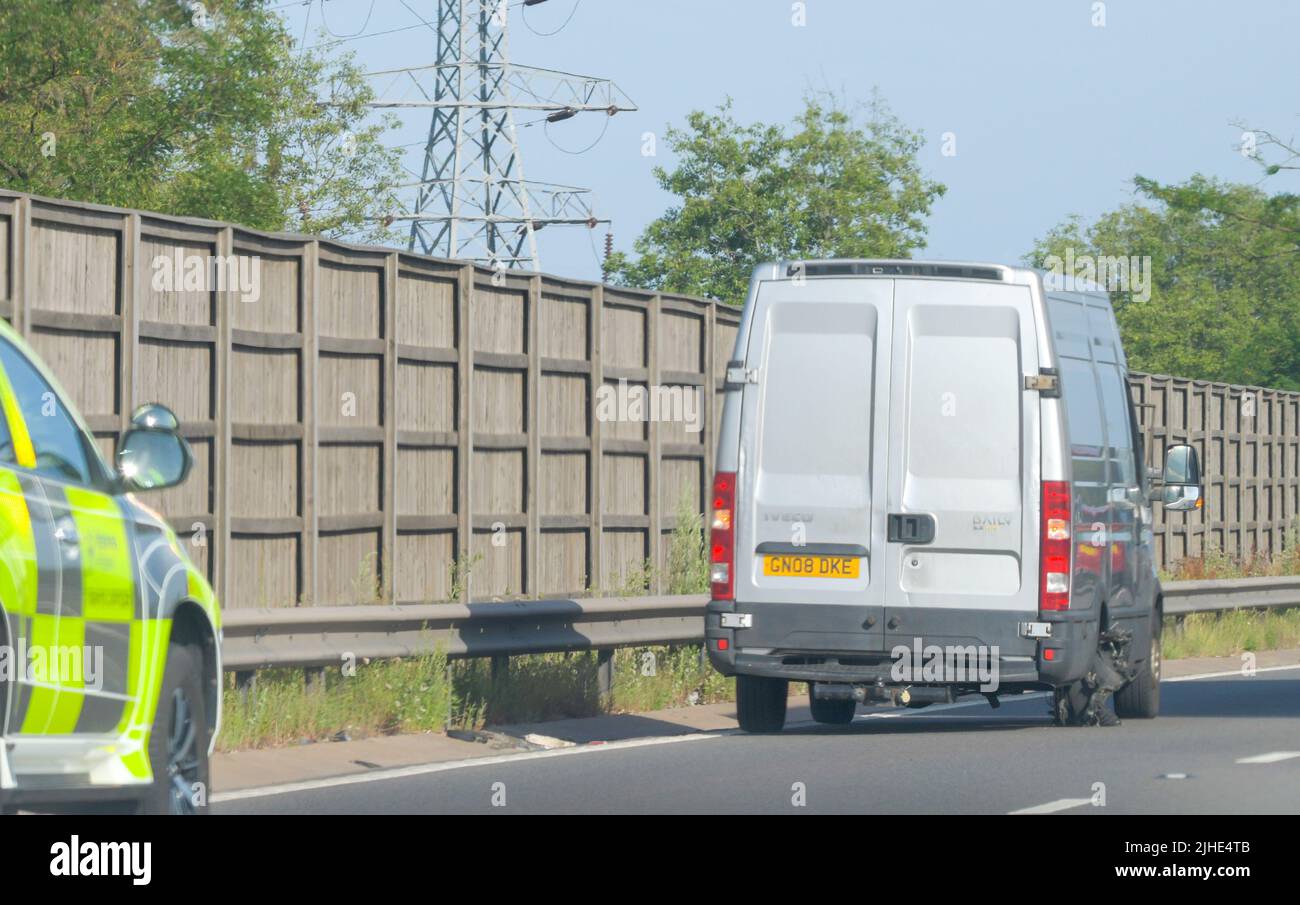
x: 1052, y: 115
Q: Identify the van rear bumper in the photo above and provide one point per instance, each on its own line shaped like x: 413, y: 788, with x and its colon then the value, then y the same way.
x: 776, y: 646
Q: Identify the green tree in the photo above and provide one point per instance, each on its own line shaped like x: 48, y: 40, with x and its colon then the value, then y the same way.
x: 192, y: 109
x: 1224, y: 296
x: 835, y: 185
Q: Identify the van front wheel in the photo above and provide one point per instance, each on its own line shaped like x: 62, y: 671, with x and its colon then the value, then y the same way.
x: 760, y: 703
x: 1140, y: 698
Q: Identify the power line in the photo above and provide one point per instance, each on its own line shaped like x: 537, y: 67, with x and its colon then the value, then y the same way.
x: 548, y: 34
x: 599, y: 138
x: 355, y: 34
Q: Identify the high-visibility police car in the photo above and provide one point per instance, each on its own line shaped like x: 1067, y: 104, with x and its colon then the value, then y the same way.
x: 109, y: 636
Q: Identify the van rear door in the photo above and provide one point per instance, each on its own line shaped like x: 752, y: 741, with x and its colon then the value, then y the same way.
x: 964, y: 466
x: 814, y: 420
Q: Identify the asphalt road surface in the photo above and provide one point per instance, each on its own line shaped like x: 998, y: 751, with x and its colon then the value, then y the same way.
x: 1222, y: 744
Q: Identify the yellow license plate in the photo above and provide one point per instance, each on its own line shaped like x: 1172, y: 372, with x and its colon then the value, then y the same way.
x: 797, y: 565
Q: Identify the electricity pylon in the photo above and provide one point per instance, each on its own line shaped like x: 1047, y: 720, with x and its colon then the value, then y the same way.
x: 472, y: 201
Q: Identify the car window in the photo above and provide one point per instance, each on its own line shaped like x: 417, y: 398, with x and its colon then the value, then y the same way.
x: 58, y: 442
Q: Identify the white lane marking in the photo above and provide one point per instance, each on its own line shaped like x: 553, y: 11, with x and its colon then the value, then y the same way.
x: 423, y: 769
x: 1061, y: 804
x: 1231, y: 672
x: 1272, y: 757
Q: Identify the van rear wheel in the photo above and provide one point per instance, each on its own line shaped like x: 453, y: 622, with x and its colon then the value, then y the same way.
x: 1140, y: 698
x: 833, y: 713
x: 760, y: 703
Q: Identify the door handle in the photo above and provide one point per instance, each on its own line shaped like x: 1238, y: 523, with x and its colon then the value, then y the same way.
x: 910, y: 528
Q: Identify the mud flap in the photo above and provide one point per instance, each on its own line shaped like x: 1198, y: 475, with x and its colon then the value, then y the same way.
x: 1083, y: 703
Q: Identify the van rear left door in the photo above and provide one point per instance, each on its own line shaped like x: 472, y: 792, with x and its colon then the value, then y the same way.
x: 812, y: 464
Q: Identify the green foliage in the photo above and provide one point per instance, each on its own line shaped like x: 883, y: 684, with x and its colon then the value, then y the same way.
x: 1225, y: 287
x: 1231, y: 633
x: 833, y: 186
x: 1215, y: 562
x: 688, y: 557
x: 409, y: 695
x: 458, y: 573
x: 138, y: 103
x: 653, y: 678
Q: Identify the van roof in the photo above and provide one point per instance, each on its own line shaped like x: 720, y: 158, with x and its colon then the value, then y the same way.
x: 1053, y: 281
x: 890, y: 267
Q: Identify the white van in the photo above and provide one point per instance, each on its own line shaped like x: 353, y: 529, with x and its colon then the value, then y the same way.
x: 930, y: 482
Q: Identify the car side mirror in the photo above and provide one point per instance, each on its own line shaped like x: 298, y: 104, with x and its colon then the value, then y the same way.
x: 1182, y: 490
x: 152, y: 454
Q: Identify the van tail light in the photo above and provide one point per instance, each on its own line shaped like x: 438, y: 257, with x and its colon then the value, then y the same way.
x: 722, y: 537
x: 1054, y: 561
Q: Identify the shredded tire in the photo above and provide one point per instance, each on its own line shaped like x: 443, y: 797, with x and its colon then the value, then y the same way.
x: 1083, y: 703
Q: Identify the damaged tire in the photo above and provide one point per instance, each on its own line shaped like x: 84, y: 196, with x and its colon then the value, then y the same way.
x: 1083, y: 703
x: 1140, y: 698
x: 760, y: 703
x: 833, y: 713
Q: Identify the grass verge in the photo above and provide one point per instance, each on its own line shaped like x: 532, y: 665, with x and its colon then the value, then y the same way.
x: 431, y: 694
x: 1231, y: 633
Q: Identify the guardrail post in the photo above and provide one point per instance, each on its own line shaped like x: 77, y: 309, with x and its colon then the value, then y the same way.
x: 605, y: 671
x: 500, y: 670
x: 315, y: 678
x: 246, y: 685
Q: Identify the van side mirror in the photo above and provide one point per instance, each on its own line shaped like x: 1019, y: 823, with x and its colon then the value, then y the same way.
x: 1182, y: 490
x: 152, y: 454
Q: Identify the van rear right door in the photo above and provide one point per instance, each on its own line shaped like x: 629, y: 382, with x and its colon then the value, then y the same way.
x: 813, y: 469
x: 964, y: 458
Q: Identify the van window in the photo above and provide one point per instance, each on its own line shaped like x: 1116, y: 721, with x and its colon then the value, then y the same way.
x: 1114, y: 396
x: 1083, y: 410
x: 1087, y: 433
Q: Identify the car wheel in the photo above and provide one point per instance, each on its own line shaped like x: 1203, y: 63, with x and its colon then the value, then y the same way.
x: 1140, y: 698
x: 760, y: 703
x: 178, y: 744
x: 834, y: 713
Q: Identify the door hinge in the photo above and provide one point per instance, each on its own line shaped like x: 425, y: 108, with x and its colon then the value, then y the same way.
x: 1047, y: 382
x: 738, y: 375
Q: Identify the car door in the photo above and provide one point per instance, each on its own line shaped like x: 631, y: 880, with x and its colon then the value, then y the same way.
x: 79, y: 608
x: 19, y: 574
